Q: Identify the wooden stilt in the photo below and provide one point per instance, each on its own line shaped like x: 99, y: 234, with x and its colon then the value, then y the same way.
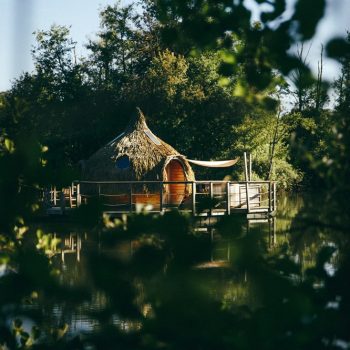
x: 228, y: 199
x: 211, y: 193
x: 161, y: 197
x: 193, y: 198
x: 246, y: 180
x: 250, y: 167
x: 78, y: 195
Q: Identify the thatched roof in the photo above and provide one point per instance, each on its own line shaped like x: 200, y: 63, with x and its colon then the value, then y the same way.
x: 148, y: 156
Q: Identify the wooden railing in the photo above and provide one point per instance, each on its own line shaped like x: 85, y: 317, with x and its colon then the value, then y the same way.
x: 198, y: 197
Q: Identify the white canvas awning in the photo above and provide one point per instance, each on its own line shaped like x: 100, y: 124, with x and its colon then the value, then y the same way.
x: 215, y: 164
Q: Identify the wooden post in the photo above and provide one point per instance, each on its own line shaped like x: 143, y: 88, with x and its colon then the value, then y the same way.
x: 99, y: 191
x: 130, y: 197
x: 161, y: 197
x: 274, y: 196
x: 54, y: 196
x: 250, y: 167
x: 78, y: 247
x: 269, y: 194
x: 247, y: 195
x: 245, y: 167
x: 78, y: 195
x: 193, y: 198
x: 228, y: 199
x: 246, y: 181
x: 70, y: 197
x: 211, y: 197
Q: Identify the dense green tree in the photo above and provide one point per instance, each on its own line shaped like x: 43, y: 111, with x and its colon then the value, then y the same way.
x: 54, y: 102
x: 113, y: 52
x: 265, y: 136
x: 187, y: 105
x: 336, y: 164
x: 75, y: 105
x: 158, y: 295
x: 342, y: 84
x: 265, y: 46
x: 309, y: 121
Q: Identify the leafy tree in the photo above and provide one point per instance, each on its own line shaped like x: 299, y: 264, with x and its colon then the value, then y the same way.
x: 158, y: 292
x: 342, y: 84
x: 336, y: 163
x: 113, y: 51
x: 261, y: 133
x: 183, y: 95
x: 265, y: 46
x: 55, y: 61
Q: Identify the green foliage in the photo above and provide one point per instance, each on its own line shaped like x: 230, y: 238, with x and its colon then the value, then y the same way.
x: 265, y: 45
x: 257, y: 134
x: 53, y: 55
x: 189, y: 102
x: 113, y: 53
x: 47, y: 242
x: 162, y: 296
x: 75, y: 105
x: 286, y: 296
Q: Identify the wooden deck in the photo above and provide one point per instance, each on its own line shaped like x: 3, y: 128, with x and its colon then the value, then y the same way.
x: 254, y: 199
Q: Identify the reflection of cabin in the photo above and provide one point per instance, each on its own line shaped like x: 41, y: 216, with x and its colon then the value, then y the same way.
x: 138, y: 155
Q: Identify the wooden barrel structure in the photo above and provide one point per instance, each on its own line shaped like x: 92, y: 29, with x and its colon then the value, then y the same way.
x: 175, y: 193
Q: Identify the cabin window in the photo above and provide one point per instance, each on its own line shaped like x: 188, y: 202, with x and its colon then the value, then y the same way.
x: 122, y: 162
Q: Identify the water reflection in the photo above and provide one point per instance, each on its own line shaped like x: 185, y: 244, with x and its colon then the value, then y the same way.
x: 72, y: 245
x: 217, y: 275
x: 275, y: 229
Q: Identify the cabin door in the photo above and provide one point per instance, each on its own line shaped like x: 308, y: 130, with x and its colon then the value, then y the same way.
x: 175, y: 193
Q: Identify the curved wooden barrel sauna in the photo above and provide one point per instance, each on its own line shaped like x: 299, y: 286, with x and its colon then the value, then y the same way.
x: 175, y: 193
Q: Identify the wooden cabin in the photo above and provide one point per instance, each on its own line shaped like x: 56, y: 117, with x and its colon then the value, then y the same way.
x: 138, y: 169
x: 138, y: 155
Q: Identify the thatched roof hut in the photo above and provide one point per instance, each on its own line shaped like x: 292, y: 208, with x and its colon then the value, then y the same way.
x: 137, y: 155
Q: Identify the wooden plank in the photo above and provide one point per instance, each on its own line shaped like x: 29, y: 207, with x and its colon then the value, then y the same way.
x: 193, y: 198
x: 228, y: 199
x: 54, y: 196
x: 250, y: 167
x: 211, y: 197
x: 170, y: 182
x: 70, y: 197
x: 247, y: 180
x: 78, y: 195
x: 249, y: 192
x: 161, y: 197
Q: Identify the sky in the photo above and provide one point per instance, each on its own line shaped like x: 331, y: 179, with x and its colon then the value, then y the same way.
x: 20, y: 18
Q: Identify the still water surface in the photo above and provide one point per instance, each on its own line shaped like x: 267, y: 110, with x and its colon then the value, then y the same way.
x: 229, y: 286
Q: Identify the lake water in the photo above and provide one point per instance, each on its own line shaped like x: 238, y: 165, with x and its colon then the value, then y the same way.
x: 216, y: 274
